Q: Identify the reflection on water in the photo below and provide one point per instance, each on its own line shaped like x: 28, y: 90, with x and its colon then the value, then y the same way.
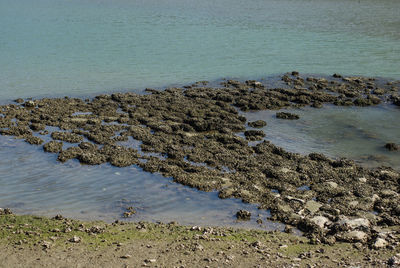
x: 33, y: 182
x: 352, y: 132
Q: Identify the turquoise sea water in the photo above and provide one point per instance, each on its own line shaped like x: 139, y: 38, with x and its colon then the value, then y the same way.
x: 79, y: 47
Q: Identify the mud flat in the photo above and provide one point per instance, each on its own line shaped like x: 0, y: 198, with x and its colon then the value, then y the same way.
x: 192, y: 134
x: 30, y: 241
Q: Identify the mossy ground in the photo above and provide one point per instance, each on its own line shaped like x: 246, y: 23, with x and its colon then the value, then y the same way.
x: 38, y: 241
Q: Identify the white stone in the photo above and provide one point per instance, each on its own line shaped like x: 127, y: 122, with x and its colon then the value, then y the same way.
x: 332, y: 184
x: 363, y: 179
x: 320, y: 221
x: 312, y: 206
x: 355, y: 223
x: 380, y: 243
x: 356, y: 236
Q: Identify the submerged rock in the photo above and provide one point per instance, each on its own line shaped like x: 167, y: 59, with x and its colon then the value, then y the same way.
x: 243, y: 215
x: 257, y: 124
x: 284, y: 115
x: 392, y: 146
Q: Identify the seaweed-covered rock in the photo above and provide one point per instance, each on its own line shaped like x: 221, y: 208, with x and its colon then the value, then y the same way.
x: 33, y: 140
x: 254, y: 135
x: 257, y: 124
x: 284, y: 115
x: 92, y: 158
x: 191, y: 135
x: 67, y: 137
x: 37, y: 126
x: 53, y: 147
x: 243, y: 215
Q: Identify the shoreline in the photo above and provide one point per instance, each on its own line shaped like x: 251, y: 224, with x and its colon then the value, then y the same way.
x: 180, y: 128
x: 43, y: 242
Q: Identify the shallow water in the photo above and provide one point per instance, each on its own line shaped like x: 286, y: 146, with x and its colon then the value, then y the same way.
x: 80, y: 47
x: 352, y: 132
x: 33, y: 182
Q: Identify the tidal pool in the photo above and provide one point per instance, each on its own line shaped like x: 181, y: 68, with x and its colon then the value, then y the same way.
x: 33, y: 182
x: 352, y: 132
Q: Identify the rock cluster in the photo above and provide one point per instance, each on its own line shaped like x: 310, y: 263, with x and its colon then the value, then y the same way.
x: 191, y: 134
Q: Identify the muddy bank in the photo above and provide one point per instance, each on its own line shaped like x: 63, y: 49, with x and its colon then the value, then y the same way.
x: 29, y: 241
x: 191, y: 134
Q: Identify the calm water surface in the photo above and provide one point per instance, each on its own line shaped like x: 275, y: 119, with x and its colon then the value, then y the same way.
x: 33, y: 182
x: 76, y: 47
x: 353, y: 132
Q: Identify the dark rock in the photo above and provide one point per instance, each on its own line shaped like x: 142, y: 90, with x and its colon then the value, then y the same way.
x: 317, y: 104
x: 394, y: 260
x: 257, y: 124
x: 67, y: 137
x: 53, y: 147
x: 396, y: 101
x: 29, y: 104
x: 362, y: 102
x: 33, y: 140
x: 69, y: 153
x: 37, y: 127
x: 392, y: 146
x: 243, y: 215
x: 58, y: 217
x: 254, y: 135
x: 284, y: 115
x: 192, y: 136
x: 92, y: 158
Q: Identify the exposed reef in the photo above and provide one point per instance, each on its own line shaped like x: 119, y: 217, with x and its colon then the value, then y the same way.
x: 192, y: 135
